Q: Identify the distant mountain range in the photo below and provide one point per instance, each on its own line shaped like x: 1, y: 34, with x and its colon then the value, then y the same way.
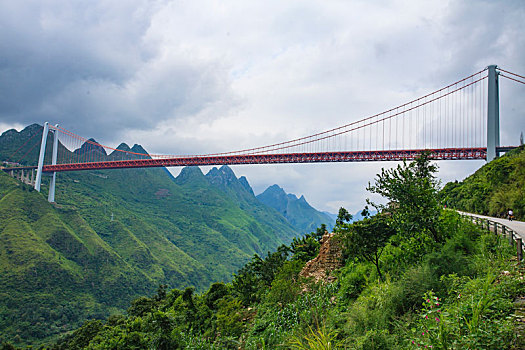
x: 117, y: 234
x: 297, y: 211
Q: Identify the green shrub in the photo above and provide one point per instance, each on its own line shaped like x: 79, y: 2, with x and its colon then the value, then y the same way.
x: 450, y: 259
x: 230, y: 315
x: 318, y: 339
x: 375, y: 340
x: 353, y: 279
x: 215, y: 293
x: 81, y: 337
x: 414, y: 283
x: 286, y: 286
x: 274, y: 323
x: 477, y: 316
x: 375, y: 308
x: 402, y: 253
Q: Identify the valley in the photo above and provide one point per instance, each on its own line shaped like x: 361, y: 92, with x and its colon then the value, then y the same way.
x: 118, y: 234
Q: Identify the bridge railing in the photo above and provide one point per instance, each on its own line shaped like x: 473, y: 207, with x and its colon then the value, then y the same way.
x: 498, y: 228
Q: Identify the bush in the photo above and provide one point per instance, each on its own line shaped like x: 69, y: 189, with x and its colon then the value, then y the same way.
x: 353, y: 279
x: 286, y: 286
x: 449, y: 260
x: 230, y: 315
x: 319, y: 339
x: 375, y: 308
x: 414, y: 283
x: 477, y: 317
x: 375, y: 340
x: 274, y: 323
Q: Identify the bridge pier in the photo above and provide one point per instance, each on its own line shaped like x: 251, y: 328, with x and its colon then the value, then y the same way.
x: 23, y: 174
x: 492, y: 113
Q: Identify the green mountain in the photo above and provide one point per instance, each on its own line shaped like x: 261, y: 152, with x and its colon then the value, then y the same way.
x: 493, y: 189
x: 24, y: 146
x: 299, y: 213
x: 116, y: 234
x: 55, y: 270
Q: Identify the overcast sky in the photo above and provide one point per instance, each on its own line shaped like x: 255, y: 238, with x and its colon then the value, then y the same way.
x: 196, y: 77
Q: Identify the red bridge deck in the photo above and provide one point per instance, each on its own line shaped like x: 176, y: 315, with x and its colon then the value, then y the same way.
x: 356, y: 156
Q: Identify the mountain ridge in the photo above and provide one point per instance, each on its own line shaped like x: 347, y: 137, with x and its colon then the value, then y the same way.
x: 297, y: 211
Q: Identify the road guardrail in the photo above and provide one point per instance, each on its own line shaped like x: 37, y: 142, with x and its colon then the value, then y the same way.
x: 498, y: 228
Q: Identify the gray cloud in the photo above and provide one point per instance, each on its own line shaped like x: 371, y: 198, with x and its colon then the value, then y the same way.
x: 90, y: 66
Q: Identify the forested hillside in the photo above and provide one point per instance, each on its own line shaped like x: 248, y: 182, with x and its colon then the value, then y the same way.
x: 139, y: 228
x: 492, y: 190
x: 55, y: 270
x: 416, y: 276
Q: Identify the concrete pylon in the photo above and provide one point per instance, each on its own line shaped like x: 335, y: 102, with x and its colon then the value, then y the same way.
x: 41, y: 157
x: 492, y: 113
x: 51, y: 196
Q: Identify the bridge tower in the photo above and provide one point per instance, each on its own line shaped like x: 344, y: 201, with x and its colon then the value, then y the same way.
x: 40, y: 167
x: 492, y: 114
x: 38, y: 181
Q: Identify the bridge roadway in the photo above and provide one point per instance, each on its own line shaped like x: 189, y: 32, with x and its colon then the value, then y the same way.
x: 229, y: 159
x: 517, y: 226
x: 320, y: 157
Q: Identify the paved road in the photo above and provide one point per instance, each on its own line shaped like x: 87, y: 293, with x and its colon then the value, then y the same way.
x: 516, y: 226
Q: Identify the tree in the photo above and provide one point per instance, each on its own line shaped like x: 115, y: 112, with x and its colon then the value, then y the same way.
x: 161, y: 293
x: 230, y: 315
x: 258, y: 274
x: 246, y: 285
x: 141, y: 307
x: 367, y: 238
x: 342, y: 217
x: 305, y: 248
x: 319, y: 232
x: 81, y: 337
x: 286, y: 286
x: 412, y: 191
x: 217, y: 291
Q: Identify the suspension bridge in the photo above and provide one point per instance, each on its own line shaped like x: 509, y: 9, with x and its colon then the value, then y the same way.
x: 457, y: 122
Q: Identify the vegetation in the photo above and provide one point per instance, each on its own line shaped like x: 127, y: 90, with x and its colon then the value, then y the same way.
x: 367, y: 239
x: 414, y: 276
x: 55, y: 271
x: 454, y: 292
x: 115, y: 235
x: 412, y: 193
x: 493, y: 189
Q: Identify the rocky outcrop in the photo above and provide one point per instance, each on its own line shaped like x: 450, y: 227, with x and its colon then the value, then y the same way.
x: 328, y: 260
